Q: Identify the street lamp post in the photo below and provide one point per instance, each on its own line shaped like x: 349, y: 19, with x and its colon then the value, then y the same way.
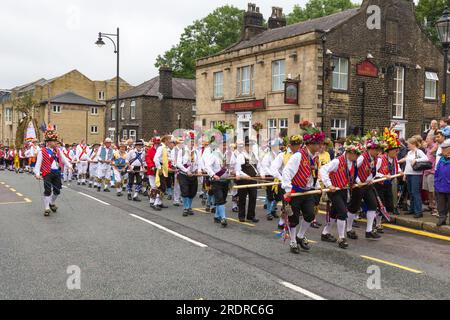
x: 443, y: 29
x: 101, y: 43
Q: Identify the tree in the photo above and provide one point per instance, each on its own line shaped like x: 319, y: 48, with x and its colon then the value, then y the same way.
x: 428, y: 12
x: 25, y: 103
x: 202, y: 38
x: 318, y: 8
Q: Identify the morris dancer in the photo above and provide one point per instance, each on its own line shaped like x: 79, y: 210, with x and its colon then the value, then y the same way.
x: 387, y: 166
x: 339, y: 176
x: 187, y: 163
x: 48, y: 166
x: 136, y: 165
x: 161, y: 161
x: 367, y: 170
x: 67, y: 174
x: 93, y: 165
x: 119, y: 167
x: 266, y: 162
x: 105, y: 160
x: 82, y: 159
x: 301, y: 175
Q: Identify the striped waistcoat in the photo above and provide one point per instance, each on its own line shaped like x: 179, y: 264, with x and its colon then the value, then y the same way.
x: 367, y: 168
x: 305, y: 170
x: 339, y: 179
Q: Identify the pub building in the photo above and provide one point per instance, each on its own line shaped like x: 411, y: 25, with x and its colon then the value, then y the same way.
x: 348, y: 72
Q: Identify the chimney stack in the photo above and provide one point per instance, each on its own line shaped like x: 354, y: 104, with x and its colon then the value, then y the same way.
x: 277, y: 19
x: 253, y: 22
x: 165, y: 81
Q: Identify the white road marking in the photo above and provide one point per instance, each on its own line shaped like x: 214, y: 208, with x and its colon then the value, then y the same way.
x: 302, y: 291
x: 201, y: 245
x: 90, y: 197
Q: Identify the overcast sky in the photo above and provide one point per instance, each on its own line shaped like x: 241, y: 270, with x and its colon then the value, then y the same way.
x: 47, y: 38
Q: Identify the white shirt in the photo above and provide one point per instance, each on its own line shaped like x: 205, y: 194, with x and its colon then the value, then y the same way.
x: 266, y: 162
x: 379, y: 163
x: 333, y: 166
x: 241, y: 157
x: 158, y: 156
x: 291, y: 169
x: 214, y: 163
x: 132, y: 155
x: 277, y: 165
x: 184, y: 160
x: 54, y: 166
x: 417, y: 155
x: 80, y: 155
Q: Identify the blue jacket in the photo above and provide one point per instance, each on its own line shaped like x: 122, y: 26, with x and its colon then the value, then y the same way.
x: 442, y: 176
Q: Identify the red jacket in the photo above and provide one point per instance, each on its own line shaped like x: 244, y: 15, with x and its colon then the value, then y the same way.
x: 149, y: 159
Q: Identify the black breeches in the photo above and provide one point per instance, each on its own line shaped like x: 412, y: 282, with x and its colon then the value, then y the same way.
x: 52, y: 182
x: 367, y: 194
x: 305, y: 206
x: 220, y: 192
x: 338, y: 204
x: 188, y: 186
x: 386, y: 196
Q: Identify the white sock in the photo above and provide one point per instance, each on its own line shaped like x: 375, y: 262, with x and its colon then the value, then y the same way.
x: 328, y: 227
x: 135, y: 195
x: 341, y: 228
x: 350, y: 219
x: 379, y: 220
x: 293, y: 233
x: 371, y: 215
x: 282, y: 222
x: 47, y: 201
x: 54, y: 197
x: 303, y: 229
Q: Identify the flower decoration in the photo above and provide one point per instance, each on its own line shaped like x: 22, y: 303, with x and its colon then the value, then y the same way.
x: 391, y: 139
x: 374, y: 140
x: 354, y: 145
x: 50, y: 133
x: 258, y: 126
x: 313, y: 136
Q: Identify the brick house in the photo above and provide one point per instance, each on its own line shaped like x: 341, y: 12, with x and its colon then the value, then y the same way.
x: 43, y: 89
x: 350, y: 78
x: 162, y: 104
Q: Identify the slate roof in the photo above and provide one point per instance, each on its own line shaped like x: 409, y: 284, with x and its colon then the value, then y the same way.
x: 72, y: 98
x: 323, y: 24
x: 181, y: 89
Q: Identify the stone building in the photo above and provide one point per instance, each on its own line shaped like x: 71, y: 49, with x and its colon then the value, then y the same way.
x: 351, y: 75
x: 74, y: 82
x: 159, y: 105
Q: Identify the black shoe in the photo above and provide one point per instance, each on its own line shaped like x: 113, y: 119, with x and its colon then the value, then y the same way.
x: 418, y: 216
x: 185, y: 213
x: 270, y: 218
x: 129, y: 197
x: 53, y: 208
x: 254, y: 220
x: 328, y: 238
x: 343, y: 244
x: 208, y: 209
x: 90, y: 186
x: 216, y: 220
x: 191, y: 212
x: 241, y: 220
x: 280, y: 227
x: 145, y: 194
x: 295, y: 248
x: 442, y: 223
x: 99, y: 189
x: 224, y: 223
x: 265, y: 207
x: 304, y: 244
x: 176, y: 204
x: 275, y: 215
x: 47, y: 212
x: 213, y: 210
x: 352, y: 235
x: 137, y: 199
x: 315, y: 225
x: 157, y: 208
x: 380, y: 230
x: 106, y: 190
x: 372, y: 235
x: 119, y: 194
x: 169, y: 198
x: 83, y: 184
x: 163, y: 206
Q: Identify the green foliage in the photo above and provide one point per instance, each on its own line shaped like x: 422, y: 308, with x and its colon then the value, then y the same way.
x: 25, y: 103
x: 318, y: 8
x: 202, y: 38
x: 430, y: 11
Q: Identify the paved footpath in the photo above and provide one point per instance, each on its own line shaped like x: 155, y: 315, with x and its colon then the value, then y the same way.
x: 126, y: 250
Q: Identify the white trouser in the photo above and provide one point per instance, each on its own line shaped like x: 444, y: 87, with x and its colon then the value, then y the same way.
x: 93, y: 170
x: 104, y: 172
x: 176, y: 190
x: 82, y: 167
x: 67, y: 174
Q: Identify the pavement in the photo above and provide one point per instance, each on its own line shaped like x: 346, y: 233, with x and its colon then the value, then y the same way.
x: 125, y: 250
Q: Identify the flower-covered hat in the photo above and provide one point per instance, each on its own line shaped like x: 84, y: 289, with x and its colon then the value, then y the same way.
x: 354, y: 145
x: 373, y: 140
x: 296, y: 140
x: 51, y: 134
x: 313, y: 136
x: 391, y: 139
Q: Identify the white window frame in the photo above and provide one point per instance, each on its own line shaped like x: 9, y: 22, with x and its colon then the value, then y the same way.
x: 218, y: 85
x: 244, y: 83
x: 399, y: 92
x: 56, y: 108
x: 283, y: 124
x: 338, y: 128
x: 125, y: 134
x: 278, y: 75
x: 113, y: 112
x: 94, y: 111
x: 122, y: 111
x: 214, y: 123
x: 112, y: 133
x: 133, y: 110
x: 132, y: 136
x: 8, y: 115
x: 101, y: 95
x: 272, y: 128
x: 431, y: 80
x: 94, y: 129
x: 341, y: 73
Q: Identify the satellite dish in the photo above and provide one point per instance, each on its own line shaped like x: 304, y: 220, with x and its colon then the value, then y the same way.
x: 160, y: 96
